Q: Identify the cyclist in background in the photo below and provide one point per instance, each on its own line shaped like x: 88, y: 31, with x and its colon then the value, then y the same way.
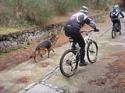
x: 115, y: 15
x: 72, y: 29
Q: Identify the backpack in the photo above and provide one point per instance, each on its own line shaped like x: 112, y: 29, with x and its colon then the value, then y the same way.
x: 114, y: 14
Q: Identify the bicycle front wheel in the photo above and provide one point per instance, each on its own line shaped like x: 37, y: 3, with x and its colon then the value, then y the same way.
x: 92, y: 51
x: 120, y: 32
x: 68, y: 63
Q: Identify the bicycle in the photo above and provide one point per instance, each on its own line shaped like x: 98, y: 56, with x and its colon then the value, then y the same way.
x: 116, y: 29
x: 73, y: 55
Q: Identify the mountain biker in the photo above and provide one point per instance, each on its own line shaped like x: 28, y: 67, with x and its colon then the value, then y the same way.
x: 72, y: 29
x: 115, y: 15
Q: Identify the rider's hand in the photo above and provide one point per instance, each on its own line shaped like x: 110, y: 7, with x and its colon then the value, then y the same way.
x: 96, y: 30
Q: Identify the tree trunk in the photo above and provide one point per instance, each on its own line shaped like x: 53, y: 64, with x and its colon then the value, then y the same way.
x: 124, y: 4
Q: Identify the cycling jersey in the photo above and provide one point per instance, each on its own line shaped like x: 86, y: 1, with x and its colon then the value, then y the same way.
x: 116, y: 13
x: 78, y: 20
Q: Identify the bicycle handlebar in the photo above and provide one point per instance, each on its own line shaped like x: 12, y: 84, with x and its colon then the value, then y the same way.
x: 117, y: 18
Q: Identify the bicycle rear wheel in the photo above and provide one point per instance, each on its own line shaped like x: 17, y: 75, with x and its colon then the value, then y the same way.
x: 92, y: 51
x: 118, y: 28
x: 113, y: 33
x: 68, y: 63
x: 120, y: 32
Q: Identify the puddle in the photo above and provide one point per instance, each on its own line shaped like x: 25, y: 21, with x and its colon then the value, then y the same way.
x: 44, y: 65
x: 1, y: 88
x: 98, y: 82
x: 23, y: 79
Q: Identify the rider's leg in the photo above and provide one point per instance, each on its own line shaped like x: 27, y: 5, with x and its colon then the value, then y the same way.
x: 114, y: 23
x: 69, y: 31
x: 74, y: 44
x: 76, y: 36
x: 79, y: 39
x: 81, y: 43
x: 119, y: 22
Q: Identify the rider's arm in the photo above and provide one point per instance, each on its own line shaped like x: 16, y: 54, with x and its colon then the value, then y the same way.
x: 91, y: 23
x: 110, y: 15
x: 122, y: 14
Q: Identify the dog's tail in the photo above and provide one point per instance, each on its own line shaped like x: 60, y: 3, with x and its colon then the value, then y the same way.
x: 31, y: 56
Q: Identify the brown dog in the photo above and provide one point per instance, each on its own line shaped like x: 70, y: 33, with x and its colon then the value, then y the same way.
x: 45, y: 46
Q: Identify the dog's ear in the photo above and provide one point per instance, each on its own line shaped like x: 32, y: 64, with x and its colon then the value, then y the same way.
x: 58, y: 37
x: 52, y: 34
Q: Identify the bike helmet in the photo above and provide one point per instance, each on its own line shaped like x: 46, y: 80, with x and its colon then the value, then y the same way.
x: 116, y: 6
x: 84, y: 9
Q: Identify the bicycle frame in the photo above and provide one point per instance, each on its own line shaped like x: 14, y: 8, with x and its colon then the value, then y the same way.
x: 116, y: 27
x: 88, y: 37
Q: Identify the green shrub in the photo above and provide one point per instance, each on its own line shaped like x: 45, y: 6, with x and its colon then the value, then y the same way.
x: 38, y: 12
x: 60, y: 6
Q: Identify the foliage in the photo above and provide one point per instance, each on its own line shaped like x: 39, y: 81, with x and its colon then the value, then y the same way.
x: 40, y: 11
x: 7, y: 30
x: 60, y: 6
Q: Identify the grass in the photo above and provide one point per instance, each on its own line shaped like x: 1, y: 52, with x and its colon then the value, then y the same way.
x: 24, y: 46
x: 4, y: 30
x: 2, y: 53
x: 7, y: 30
